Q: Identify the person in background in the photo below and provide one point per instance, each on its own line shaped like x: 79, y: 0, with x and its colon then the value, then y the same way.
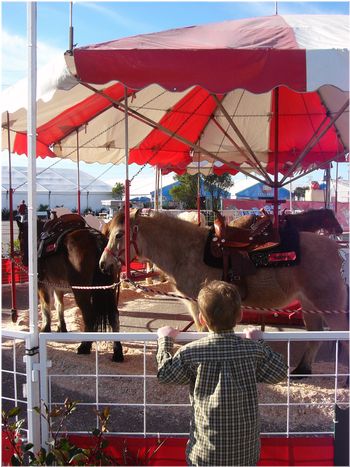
x: 222, y: 371
x: 22, y: 211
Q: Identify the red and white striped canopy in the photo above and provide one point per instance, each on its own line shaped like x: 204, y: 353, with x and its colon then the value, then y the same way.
x: 250, y: 95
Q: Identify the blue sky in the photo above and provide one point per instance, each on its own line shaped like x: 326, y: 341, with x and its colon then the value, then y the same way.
x: 102, y: 21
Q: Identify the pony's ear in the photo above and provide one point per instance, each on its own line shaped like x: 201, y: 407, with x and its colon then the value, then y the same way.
x: 219, y: 216
x: 134, y: 213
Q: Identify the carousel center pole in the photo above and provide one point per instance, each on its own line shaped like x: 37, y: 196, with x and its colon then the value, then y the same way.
x: 78, y: 173
x: 275, y: 182
x: 127, y: 190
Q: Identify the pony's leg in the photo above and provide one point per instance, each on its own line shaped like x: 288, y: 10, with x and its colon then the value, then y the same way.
x: 44, y: 298
x: 113, y: 319
x: 312, y: 323
x: 83, y: 300
x: 59, y: 305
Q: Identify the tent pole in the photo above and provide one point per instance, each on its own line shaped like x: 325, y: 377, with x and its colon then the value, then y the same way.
x: 199, y: 194
x: 32, y: 356
x: 275, y: 182
x: 160, y: 189
x: 328, y: 186
x: 71, y: 29
x: 336, y: 189
x: 78, y: 173
x: 127, y: 188
x: 14, y: 314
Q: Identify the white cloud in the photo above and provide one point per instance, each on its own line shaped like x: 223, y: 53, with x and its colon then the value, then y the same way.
x: 15, y: 56
x: 121, y: 20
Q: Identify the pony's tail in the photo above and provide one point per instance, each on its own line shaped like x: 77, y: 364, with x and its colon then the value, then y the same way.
x: 104, y: 303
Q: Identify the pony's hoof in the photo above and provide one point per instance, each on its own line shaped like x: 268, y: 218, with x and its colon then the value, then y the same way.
x: 62, y: 329
x: 46, y: 329
x: 83, y: 350
x: 118, y: 358
x: 300, y: 373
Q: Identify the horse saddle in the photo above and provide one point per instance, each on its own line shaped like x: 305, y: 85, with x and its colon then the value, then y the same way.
x: 239, y: 251
x: 55, y: 229
x: 259, y: 236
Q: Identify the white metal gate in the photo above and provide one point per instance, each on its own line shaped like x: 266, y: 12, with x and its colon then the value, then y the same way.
x: 148, y: 414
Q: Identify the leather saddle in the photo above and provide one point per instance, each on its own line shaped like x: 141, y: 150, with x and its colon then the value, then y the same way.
x: 234, y: 245
x: 55, y: 229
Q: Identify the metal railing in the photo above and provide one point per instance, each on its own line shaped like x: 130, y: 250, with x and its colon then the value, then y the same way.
x: 140, y: 405
x: 143, y: 415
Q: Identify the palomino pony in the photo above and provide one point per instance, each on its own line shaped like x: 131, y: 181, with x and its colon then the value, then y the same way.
x: 75, y: 263
x: 177, y: 248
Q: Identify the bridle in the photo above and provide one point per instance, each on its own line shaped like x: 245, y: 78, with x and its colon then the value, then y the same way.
x: 118, y: 254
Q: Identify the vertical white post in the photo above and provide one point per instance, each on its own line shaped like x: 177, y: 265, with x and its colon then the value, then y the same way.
x: 32, y: 356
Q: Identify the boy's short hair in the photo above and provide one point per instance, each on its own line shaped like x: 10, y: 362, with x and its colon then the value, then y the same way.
x: 220, y: 304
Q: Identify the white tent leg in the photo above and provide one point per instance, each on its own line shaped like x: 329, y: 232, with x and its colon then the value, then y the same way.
x: 32, y: 356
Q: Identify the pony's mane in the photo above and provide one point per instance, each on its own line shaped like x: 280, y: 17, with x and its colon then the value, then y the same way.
x: 161, y: 219
x: 176, y: 223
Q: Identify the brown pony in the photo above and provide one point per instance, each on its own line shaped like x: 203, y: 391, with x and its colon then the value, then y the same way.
x: 177, y: 248
x: 75, y: 263
x: 314, y: 220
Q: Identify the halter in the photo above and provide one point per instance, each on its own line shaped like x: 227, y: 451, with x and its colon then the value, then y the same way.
x: 117, y: 256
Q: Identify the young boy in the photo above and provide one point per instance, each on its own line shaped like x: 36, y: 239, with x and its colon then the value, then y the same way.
x: 222, y: 371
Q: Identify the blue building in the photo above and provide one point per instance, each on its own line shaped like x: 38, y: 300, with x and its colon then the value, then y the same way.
x: 261, y: 191
x: 203, y: 193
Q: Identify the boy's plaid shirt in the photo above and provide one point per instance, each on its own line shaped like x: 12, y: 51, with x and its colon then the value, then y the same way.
x: 222, y: 371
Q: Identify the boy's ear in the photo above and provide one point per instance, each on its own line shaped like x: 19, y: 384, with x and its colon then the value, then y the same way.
x: 202, y: 319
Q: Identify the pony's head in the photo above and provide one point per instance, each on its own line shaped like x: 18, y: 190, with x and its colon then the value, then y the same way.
x: 113, y: 256
x: 330, y: 222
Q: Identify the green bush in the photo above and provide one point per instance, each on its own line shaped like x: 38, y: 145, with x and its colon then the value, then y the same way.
x: 61, y: 451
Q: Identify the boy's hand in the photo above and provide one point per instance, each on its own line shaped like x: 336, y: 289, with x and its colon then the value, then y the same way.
x: 253, y: 333
x: 168, y: 331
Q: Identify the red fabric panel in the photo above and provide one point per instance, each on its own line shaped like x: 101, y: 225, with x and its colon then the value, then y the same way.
x: 262, y: 51
x: 317, y: 451
x: 187, y: 119
x: 20, y: 146
x: 297, y: 451
x: 299, y: 116
x: 66, y: 122
x: 257, y: 70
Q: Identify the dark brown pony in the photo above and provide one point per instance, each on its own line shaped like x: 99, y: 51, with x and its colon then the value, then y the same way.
x: 177, y: 248
x: 75, y: 263
x: 314, y: 220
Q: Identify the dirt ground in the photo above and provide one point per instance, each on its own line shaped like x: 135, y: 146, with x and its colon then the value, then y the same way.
x: 74, y: 376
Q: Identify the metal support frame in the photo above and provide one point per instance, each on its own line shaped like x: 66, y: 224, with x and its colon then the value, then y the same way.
x: 148, y: 121
x: 243, y: 140
x: 315, y: 139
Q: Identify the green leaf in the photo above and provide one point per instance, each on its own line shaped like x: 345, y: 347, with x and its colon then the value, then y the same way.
x: 15, y: 460
x: 79, y: 458
x: 50, y: 458
x: 27, y: 446
x: 13, y: 412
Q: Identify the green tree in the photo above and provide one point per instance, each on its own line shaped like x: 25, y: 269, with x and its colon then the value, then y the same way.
x: 186, y: 191
x: 299, y: 192
x: 216, y: 185
x: 118, y: 190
